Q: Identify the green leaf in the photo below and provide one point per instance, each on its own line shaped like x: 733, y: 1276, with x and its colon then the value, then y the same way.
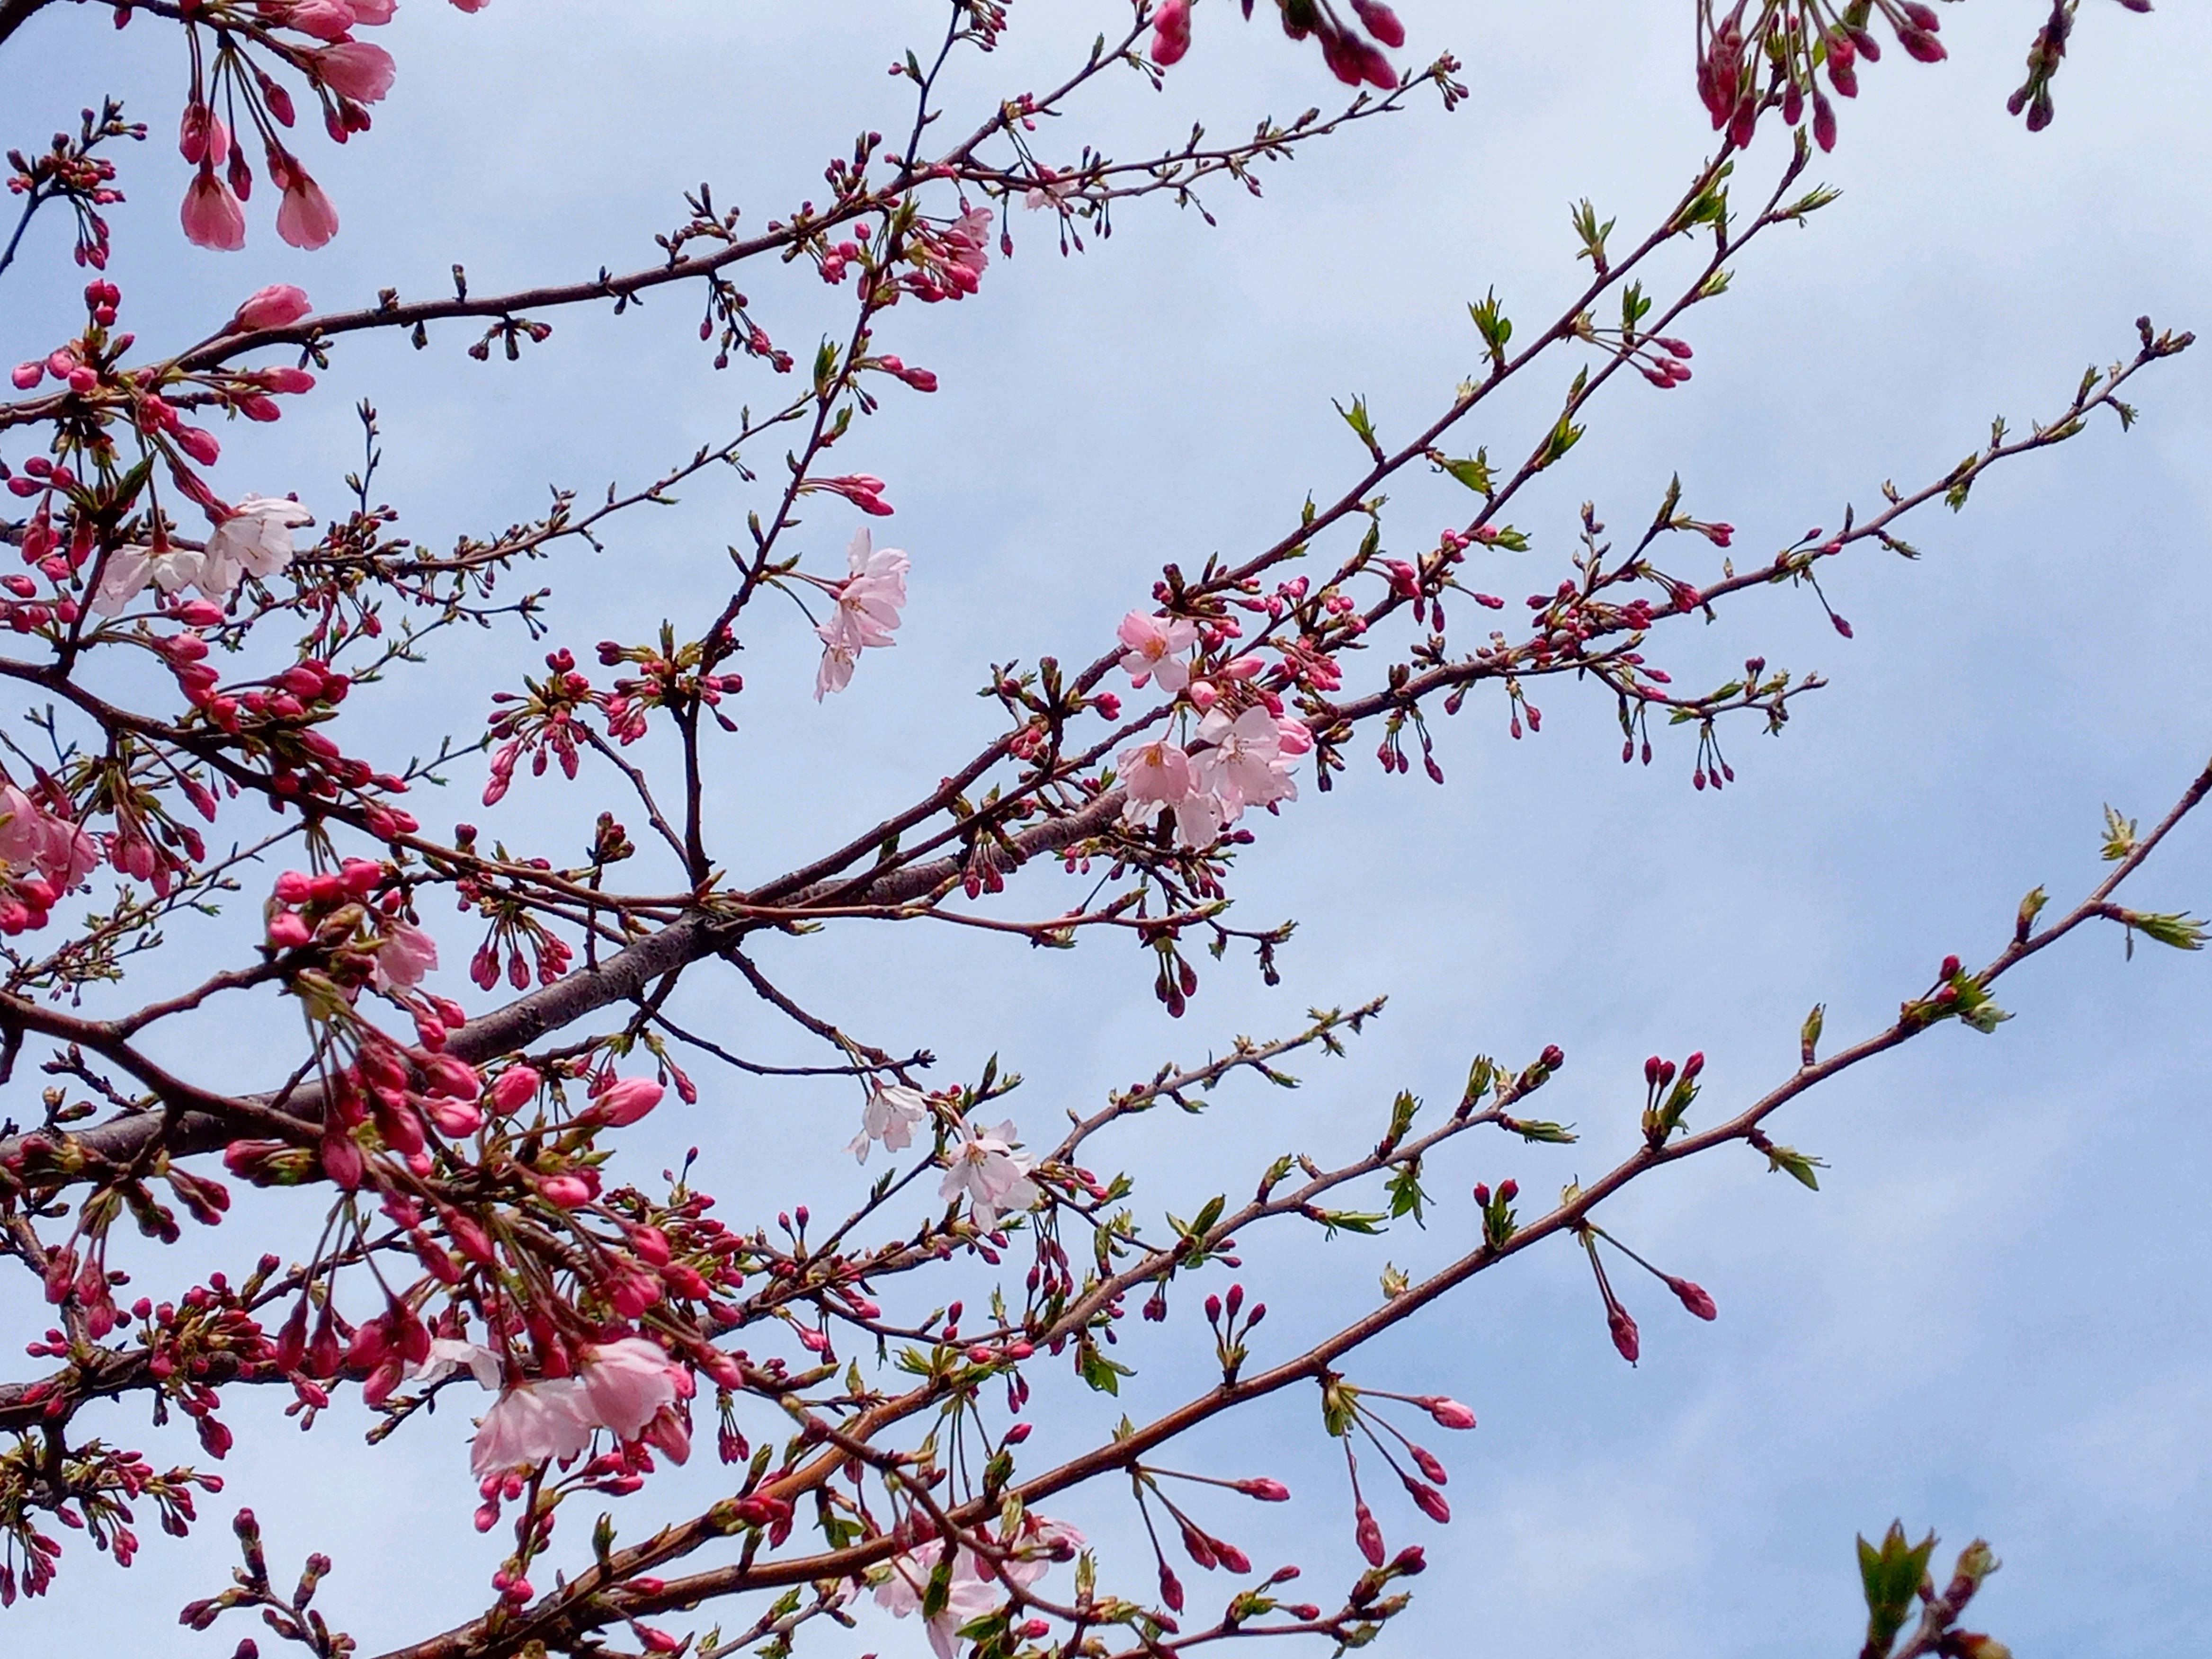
x: 1808, y: 1039
x: 1474, y: 474
x: 2119, y: 836
x: 2182, y: 933
x: 1795, y: 1165
x: 1357, y: 418
x: 1891, y: 1576
x: 1492, y: 322
x: 1563, y: 439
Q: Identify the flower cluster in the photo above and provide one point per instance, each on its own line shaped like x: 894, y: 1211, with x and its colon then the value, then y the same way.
x: 974, y: 1587
x: 1238, y: 755
x: 345, y: 75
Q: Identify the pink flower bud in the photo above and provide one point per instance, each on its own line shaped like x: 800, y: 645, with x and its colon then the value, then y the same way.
x: 1266, y: 1490
x: 515, y: 1087
x: 1450, y: 1413
x: 1369, y: 1535
x: 277, y: 306
x: 627, y: 1102
x: 1622, y: 1327
x: 288, y: 930
x: 1694, y: 1298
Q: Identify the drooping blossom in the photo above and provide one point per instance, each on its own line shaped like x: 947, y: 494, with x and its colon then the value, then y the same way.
x: 33, y: 838
x: 211, y: 216
x: 255, y: 540
x: 891, y: 1116
x: 326, y: 19
x: 406, y: 954
x: 987, y: 1170
x: 1156, y: 650
x: 530, y: 1422
x: 305, y: 218
x: 627, y: 1382
x: 1245, y: 766
x: 969, y: 1594
x: 357, y: 69
x: 869, y: 600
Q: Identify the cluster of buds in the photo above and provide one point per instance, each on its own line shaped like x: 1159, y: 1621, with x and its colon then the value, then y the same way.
x: 1798, y: 39
x: 345, y: 75
x: 1352, y: 51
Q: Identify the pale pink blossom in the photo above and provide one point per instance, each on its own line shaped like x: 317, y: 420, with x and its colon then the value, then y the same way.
x: 869, y: 601
x: 1040, y: 1542
x: 406, y: 954
x: 373, y: 12
x: 1155, y: 773
x: 1245, y: 767
x: 989, y: 1173
x: 277, y: 306
x: 305, y: 218
x: 361, y: 71
x: 450, y: 1353
x: 1198, y: 817
x: 255, y: 540
x: 835, y: 671
x: 1155, y: 646
x: 1293, y: 737
x: 530, y: 1422
x: 627, y: 1382
x: 891, y: 1116
x: 969, y: 1595
x: 130, y: 568
x: 211, y: 216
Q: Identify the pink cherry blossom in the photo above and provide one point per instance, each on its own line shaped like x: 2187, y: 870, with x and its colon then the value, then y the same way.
x: 361, y: 71
x: 1244, y: 767
x: 869, y: 601
x: 891, y: 1113
x: 627, y: 1382
x: 405, y: 956
x: 1156, y: 650
x: 530, y: 1422
x: 33, y: 838
x: 305, y: 218
x: 130, y: 568
x: 835, y: 671
x: 277, y: 306
x: 969, y: 1595
x: 326, y: 19
x: 211, y: 216
x: 989, y: 1173
x: 255, y: 540
x: 1155, y: 773
x: 449, y: 1354
x: 373, y: 12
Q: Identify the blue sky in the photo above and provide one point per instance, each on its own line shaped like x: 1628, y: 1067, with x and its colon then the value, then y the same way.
x: 1992, y: 1319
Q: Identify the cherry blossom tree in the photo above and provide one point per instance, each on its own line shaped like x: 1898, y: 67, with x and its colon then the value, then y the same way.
x: 447, y: 1219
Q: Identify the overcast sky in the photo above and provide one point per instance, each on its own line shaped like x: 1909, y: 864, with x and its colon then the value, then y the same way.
x: 1992, y: 1319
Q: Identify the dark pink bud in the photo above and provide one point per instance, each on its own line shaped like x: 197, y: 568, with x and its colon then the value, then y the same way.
x: 1622, y: 1327
x: 1694, y: 1298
